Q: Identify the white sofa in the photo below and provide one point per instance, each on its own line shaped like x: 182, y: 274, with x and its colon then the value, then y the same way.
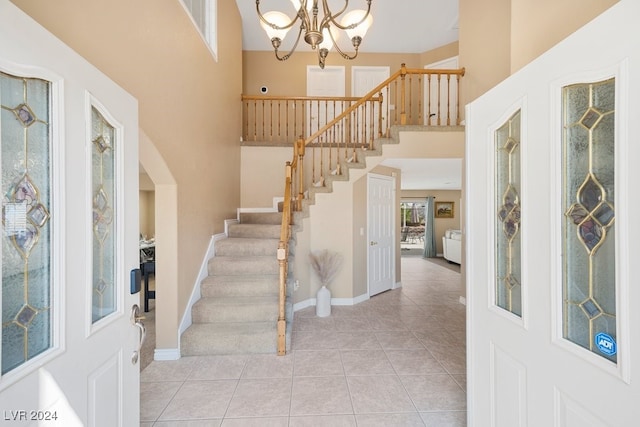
x: 452, y: 246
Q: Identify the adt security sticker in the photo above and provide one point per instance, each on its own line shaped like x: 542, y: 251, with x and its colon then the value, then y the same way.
x: 606, y: 344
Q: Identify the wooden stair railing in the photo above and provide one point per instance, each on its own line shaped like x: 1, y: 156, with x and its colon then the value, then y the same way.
x: 355, y: 128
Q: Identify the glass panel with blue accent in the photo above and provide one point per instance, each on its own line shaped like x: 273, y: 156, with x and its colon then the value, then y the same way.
x: 25, y: 145
x: 589, y: 281
x: 508, y: 206
x: 103, y: 191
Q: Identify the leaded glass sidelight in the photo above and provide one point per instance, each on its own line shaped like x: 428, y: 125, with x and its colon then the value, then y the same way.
x: 508, y: 289
x: 589, y: 281
x: 25, y: 146
x: 103, y: 194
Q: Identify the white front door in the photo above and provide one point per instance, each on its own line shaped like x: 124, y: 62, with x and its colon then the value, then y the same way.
x: 381, y: 237
x: 441, y: 95
x: 69, y: 162
x: 327, y: 82
x: 365, y: 79
x: 552, y: 232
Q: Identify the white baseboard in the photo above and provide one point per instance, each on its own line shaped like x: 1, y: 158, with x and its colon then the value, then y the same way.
x: 311, y: 302
x: 204, y: 272
x: 166, y: 354
x: 397, y: 285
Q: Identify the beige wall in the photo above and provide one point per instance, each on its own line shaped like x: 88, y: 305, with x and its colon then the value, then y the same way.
x: 186, y: 101
x: 289, y: 78
x: 537, y: 26
x: 147, y: 214
x: 498, y: 37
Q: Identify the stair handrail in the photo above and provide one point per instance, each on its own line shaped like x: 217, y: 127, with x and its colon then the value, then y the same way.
x: 296, y: 165
x: 402, y: 72
x: 291, y: 168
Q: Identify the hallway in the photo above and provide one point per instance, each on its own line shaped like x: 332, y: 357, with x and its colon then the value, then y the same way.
x: 397, y: 359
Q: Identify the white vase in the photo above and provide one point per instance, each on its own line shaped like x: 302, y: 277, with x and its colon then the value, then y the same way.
x: 323, y: 302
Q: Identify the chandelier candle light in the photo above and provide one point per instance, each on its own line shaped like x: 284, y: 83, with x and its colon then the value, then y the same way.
x: 321, y: 34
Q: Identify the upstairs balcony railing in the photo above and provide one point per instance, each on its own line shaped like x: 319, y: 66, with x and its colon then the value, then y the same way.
x: 340, y: 128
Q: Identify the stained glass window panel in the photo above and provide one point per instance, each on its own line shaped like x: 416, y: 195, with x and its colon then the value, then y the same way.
x: 25, y: 146
x: 104, y: 291
x: 589, y: 281
x: 508, y: 288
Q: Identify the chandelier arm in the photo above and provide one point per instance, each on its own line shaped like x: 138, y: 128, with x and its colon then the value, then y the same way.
x: 329, y: 17
x: 332, y: 18
x: 274, y: 26
x: 288, y: 55
x: 343, y: 54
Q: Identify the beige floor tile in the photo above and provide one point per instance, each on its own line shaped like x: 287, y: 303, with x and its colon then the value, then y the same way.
x: 444, y: 419
x: 364, y: 340
x: 168, y: 370
x: 189, y: 423
x: 314, y: 340
x: 346, y: 324
x: 366, y: 362
x: 256, y: 422
x: 390, y: 420
x: 320, y: 396
x: 438, y: 392
x: 317, y: 363
x: 154, y: 398
x: 268, y: 366
x: 260, y: 398
x: 386, y: 323
x: 379, y: 394
x: 414, y: 362
x: 323, y: 421
x: 200, y: 400
x: 399, y: 340
x: 314, y: 324
x: 217, y: 367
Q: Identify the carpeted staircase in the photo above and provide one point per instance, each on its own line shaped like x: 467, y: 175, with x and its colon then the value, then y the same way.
x: 238, y: 308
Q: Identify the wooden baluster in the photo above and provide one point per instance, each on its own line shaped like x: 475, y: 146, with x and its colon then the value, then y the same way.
x: 439, y: 97
x: 448, y: 99
x: 403, y: 114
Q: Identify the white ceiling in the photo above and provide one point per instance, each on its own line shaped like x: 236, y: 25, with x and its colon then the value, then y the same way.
x: 399, y: 26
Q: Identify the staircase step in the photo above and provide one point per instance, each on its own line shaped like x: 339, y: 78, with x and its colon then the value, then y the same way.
x: 240, y: 285
x: 244, y: 246
x: 252, y: 265
x: 231, y: 338
x: 274, y: 218
x: 260, y: 231
x: 236, y: 309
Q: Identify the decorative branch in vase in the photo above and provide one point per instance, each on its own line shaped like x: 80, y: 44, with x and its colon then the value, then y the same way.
x: 326, y: 264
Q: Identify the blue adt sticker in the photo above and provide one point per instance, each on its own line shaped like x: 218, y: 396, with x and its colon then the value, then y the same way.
x: 606, y: 344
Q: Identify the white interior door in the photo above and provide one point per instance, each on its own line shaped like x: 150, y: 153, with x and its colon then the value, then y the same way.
x: 329, y: 82
x: 441, y: 95
x: 381, y: 234
x: 363, y: 80
x: 551, y: 177
x: 70, y: 234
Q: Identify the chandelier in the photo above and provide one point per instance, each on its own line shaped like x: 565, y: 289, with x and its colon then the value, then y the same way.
x: 320, y: 33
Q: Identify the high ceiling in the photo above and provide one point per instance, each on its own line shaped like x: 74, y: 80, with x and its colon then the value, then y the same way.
x: 399, y: 26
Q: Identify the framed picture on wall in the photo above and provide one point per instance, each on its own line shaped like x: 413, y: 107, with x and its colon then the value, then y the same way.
x: 444, y: 209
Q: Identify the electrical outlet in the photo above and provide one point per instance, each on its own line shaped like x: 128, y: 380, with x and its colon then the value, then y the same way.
x: 296, y: 285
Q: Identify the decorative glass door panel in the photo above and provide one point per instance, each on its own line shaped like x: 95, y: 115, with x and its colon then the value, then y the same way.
x: 26, y: 211
x: 589, y: 309
x: 508, y: 293
x: 103, y: 139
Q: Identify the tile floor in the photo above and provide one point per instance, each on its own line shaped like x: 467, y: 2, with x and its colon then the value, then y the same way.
x: 397, y: 359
